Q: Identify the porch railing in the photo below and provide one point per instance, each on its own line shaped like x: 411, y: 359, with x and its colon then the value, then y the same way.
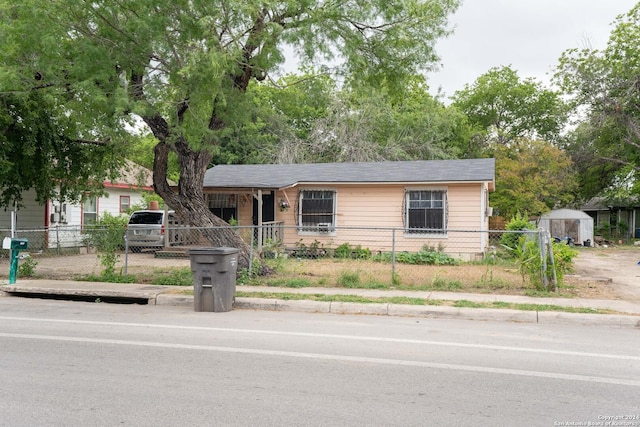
x: 272, y: 231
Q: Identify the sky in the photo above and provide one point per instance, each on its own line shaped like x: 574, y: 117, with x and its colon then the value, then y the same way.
x: 528, y: 35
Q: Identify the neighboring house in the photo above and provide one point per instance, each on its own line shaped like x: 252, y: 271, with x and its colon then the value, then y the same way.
x: 423, y: 199
x: 63, y: 220
x: 614, y: 219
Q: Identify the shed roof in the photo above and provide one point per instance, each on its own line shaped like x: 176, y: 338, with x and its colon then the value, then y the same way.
x: 276, y: 176
x: 566, y: 214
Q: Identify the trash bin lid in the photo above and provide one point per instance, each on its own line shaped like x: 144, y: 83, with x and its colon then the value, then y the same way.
x: 223, y: 250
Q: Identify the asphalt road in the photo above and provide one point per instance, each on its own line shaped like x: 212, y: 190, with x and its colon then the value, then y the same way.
x: 79, y: 364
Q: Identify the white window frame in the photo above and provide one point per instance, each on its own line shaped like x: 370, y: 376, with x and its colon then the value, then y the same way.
x: 92, y: 202
x: 315, y: 230
x: 445, y: 213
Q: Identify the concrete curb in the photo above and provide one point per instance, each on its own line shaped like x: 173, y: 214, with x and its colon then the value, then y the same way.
x: 282, y: 305
x: 419, y: 311
x: 150, y: 296
x: 563, y: 318
x: 159, y: 296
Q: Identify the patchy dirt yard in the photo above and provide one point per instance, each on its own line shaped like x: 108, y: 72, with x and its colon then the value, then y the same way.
x: 608, y: 273
x: 600, y: 273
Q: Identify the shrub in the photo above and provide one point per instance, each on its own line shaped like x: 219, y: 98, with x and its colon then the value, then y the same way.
x: 349, y: 279
x: 106, y: 236
x: 27, y: 267
x: 517, y: 223
x: 346, y: 251
x: 313, y: 250
x: 527, y: 254
x: 425, y: 257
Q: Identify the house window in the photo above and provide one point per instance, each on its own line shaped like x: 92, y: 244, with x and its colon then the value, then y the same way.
x: 125, y: 202
x: 89, y: 210
x: 426, y: 211
x: 317, y: 210
x: 223, y: 206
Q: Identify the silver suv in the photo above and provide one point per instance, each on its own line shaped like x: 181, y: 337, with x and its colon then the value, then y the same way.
x: 146, y: 229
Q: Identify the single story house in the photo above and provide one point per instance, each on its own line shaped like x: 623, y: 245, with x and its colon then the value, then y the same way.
x: 63, y: 222
x: 423, y: 200
x: 614, y: 219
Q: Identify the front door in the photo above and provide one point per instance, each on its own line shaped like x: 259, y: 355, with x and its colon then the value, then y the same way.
x: 268, y: 208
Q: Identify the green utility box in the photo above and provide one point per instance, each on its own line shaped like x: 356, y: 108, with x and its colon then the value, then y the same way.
x: 15, y: 245
x: 19, y: 244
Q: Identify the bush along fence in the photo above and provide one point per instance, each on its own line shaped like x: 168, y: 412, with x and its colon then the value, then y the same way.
x: 105, y: 253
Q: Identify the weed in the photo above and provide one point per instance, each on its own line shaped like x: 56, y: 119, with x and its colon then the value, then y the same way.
x: 175, y: 277
x: 295, y: 283
x: 27, y: 267
x: 106, y: 235
x: 405, y: 300
x: 349, y: 279
x: 395, y: 279
x: 426, y: 257
x: 314, y: 250
x: 109, y: 278
x: 346, y: 251
x: 374, y: 284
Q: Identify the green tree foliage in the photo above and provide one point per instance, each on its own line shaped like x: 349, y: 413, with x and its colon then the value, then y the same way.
x: 184, y: 66
x: 37, y: 153
x: 282, y: 117
x: 605, y: 89
x: 502, y: 107
x: 365, y: 124
x: 532, y: 177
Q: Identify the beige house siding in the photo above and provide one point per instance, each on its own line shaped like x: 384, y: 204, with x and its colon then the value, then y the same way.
x: 365, y: 215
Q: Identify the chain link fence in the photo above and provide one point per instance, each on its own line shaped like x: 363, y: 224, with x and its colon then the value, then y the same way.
x: 389, y: 253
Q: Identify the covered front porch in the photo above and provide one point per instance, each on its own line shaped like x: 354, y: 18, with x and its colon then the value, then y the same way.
x: 263, y: 208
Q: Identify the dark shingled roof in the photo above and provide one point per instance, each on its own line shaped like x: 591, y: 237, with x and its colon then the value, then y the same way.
x: 286, y: 175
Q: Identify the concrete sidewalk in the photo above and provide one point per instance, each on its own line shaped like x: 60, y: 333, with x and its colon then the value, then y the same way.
x: 628, y: 313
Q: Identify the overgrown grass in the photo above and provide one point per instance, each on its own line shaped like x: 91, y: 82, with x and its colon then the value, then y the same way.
x: 531, y: 307
x: 289, y: 282
x: 422, y: 301
x: 337, y: 298
x: 109, y: 278
x: 353, y: 272
x: 349, y: 279
x: 175, y: 277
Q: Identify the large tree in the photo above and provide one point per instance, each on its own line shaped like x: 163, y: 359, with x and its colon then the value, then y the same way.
x: 37, y: 153
x: 365, y: 124
x: 605, y: 89
x: 502, y: 107
x: 183, y: 66
x: 532, y: 177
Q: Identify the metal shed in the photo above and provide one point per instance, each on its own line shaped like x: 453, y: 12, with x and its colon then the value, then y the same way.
x: 568, y: 223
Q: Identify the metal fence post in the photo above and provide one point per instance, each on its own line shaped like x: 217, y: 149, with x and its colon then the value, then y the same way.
x: 552, y: 260
x: 542, y: 246
x: 57, y: 240
x: 393, y: 255
x: 251, y: 252
x: 126, y: 254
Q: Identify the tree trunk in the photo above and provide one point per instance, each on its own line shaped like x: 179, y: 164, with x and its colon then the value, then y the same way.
x: 188, y: 201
